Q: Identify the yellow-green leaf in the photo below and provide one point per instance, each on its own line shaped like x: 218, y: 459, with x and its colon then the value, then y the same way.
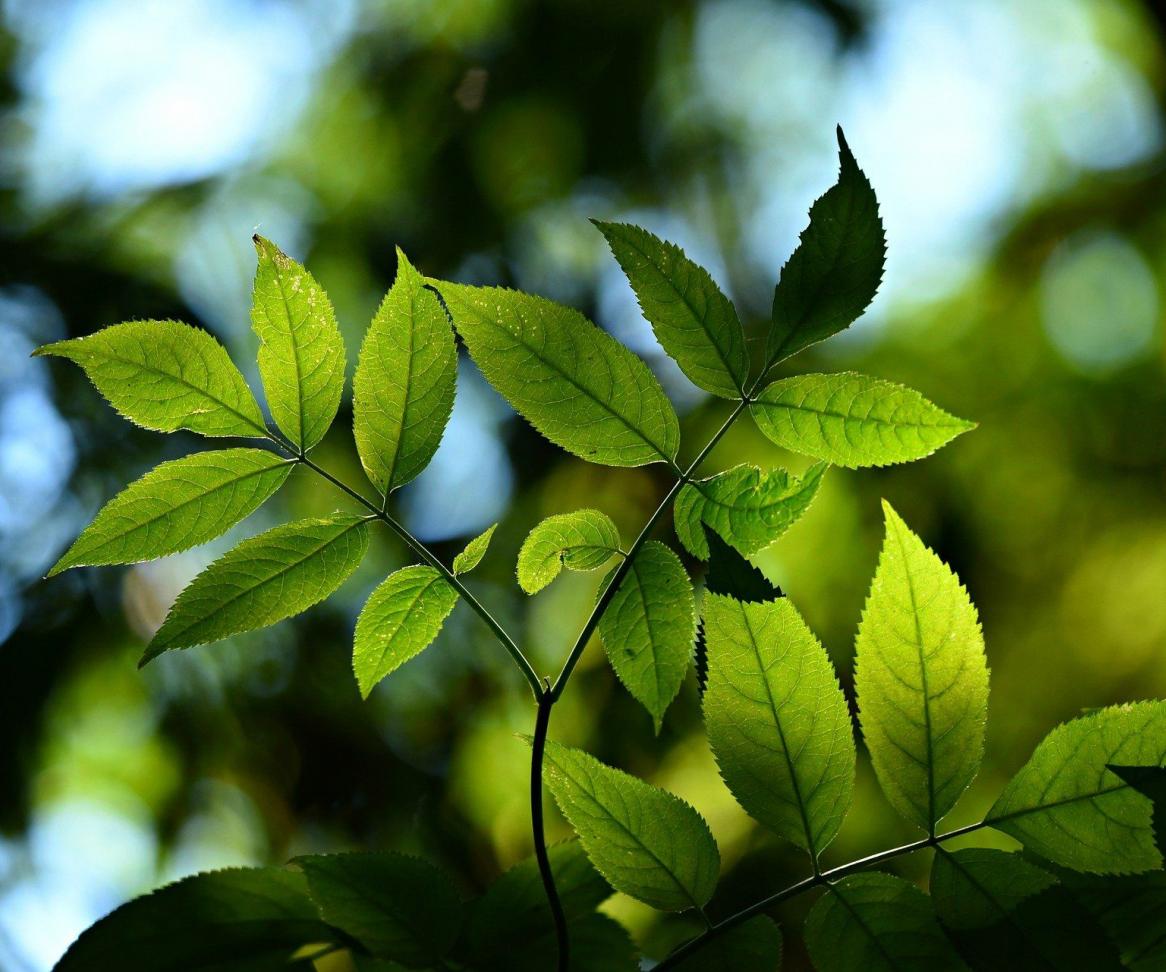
x: 475, y: 550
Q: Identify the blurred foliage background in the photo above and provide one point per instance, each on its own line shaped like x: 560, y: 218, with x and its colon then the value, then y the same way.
x: 1018, y: 153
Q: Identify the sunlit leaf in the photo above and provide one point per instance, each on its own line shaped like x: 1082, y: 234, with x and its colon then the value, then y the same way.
x: 582, y: 540
x: 475, y: 550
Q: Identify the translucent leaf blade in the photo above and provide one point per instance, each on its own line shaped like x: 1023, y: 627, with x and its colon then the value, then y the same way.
x: 301, y: 352
x: 853, y: 420
x: 475, y: 550
x: 694, y: 322
x: 165, y: 376
x: 403, y: 390
x: 921, y: 678
x: 581, y: 540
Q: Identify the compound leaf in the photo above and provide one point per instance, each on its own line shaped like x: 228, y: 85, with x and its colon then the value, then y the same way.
x: 581, y: 540
x: 475, y: 550
x: 694, y: 322
x: 754, y: 945
x: 165, y: 376
x: 648, y: 628
x: 576, y: 384
x: 404, y: 385
x: 777, y: 721
x: 853, y: 420
x: 177, y: 506
x: 301, y: 352
x: 645, y: 841
x: 921, y: 678
x: 263, y: 580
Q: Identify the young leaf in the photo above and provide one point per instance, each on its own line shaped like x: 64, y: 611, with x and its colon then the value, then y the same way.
x: 754, y: 945
x: 177, y: 506
x: 853, y: 420
x: 404, y: 384
x: 877, y: 923
x: 398, y: 907
x: 576, y: 384
x: 694, y: 322
x: 582, y: 540
x: 400, y: 620
x: 777, y: 721
x: 1068, y: 807
x: 747, y: 507
x: 645, y: 841
x: 301, y: 352
x: 263, y: 580
x: 238, y: 920
x: 165, y: 376
x: 921, y: 679
x: 648, y: 628
x: 475, y: 550
x: 836, y: 270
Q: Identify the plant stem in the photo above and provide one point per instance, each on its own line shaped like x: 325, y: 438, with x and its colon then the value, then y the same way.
x: 542, y: 724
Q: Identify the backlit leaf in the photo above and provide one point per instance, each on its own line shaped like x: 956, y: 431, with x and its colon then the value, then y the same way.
x: 475, y: 550
x: 582, y: 540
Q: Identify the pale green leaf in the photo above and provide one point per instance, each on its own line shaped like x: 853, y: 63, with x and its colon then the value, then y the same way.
x: 263, y: 580
x: 475, y: 550
x: 877, y: 923
x: 853, y: 420
x: 301, y: 352
x: 754, y: 945
x: 581, y: 540
x: 400, y: 620
x: 777, y: 721
x: 649, y: 626
x: 694, y: 322
x: 404, y: 384
x: 576, y: 384
x: 921, y: 678
x: 177, y: 506
x: 165, y: 375
x: 1065, y: 805
x: 747, y: 507
x: 647, y: 842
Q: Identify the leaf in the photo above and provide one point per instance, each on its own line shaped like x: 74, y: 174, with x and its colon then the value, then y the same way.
x: 400, y: 620
x: 301, y: 352
x: 648, y: 628
x: 582, y: 540
x: 238, y: 920
x: 833, y: 275
x: 645, y: 841
x: 853, y: 420
x: 165, y: 376
x: 1068, y: 807
x: 597, y: 944
x: 977, y: 887
x: 270, y: 577
x: 177, y: 506
x: 921, y: 678
x: 574, y: 383
x: 777, y: 721
x: 404, y: 385
x: 747, y: 507
x: 398, y: 907
x: 1132, y: 910
x: 754, y: 945
x: 877, y: 923
x: 693, y: 321
x: 475, y: 550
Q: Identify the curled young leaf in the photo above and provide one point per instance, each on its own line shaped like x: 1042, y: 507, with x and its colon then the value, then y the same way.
x: 581, y: 540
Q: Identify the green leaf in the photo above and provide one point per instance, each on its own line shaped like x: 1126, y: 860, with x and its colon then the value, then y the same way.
x: 398, y: 907
x: 1132, y: 910
x: 747, y: 507
x: 597, y: 944
x: 1066, y: 806
x: 853, y: 420
x: 777, y: 721
x: 978, y: 886
x: 238, y: 920
x: 647, y: 842
x: 648, y: 628
x: 400, y: 620
x: 877, y: 923
x: 582, y: 540
x: 921, y: 678
x: 574, y: 383
x: 404, y: 384
x: 475, y: 550
x: 694, y: 322
x: 263, y: 580
x: 301, y: 352
x: 730, y: 573
x: 177, y: 506
x: 754, y: 945
x: 165, y: 376
x: 833, y: 275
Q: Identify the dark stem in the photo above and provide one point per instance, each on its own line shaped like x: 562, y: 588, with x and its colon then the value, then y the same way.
x: 542, y: 724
